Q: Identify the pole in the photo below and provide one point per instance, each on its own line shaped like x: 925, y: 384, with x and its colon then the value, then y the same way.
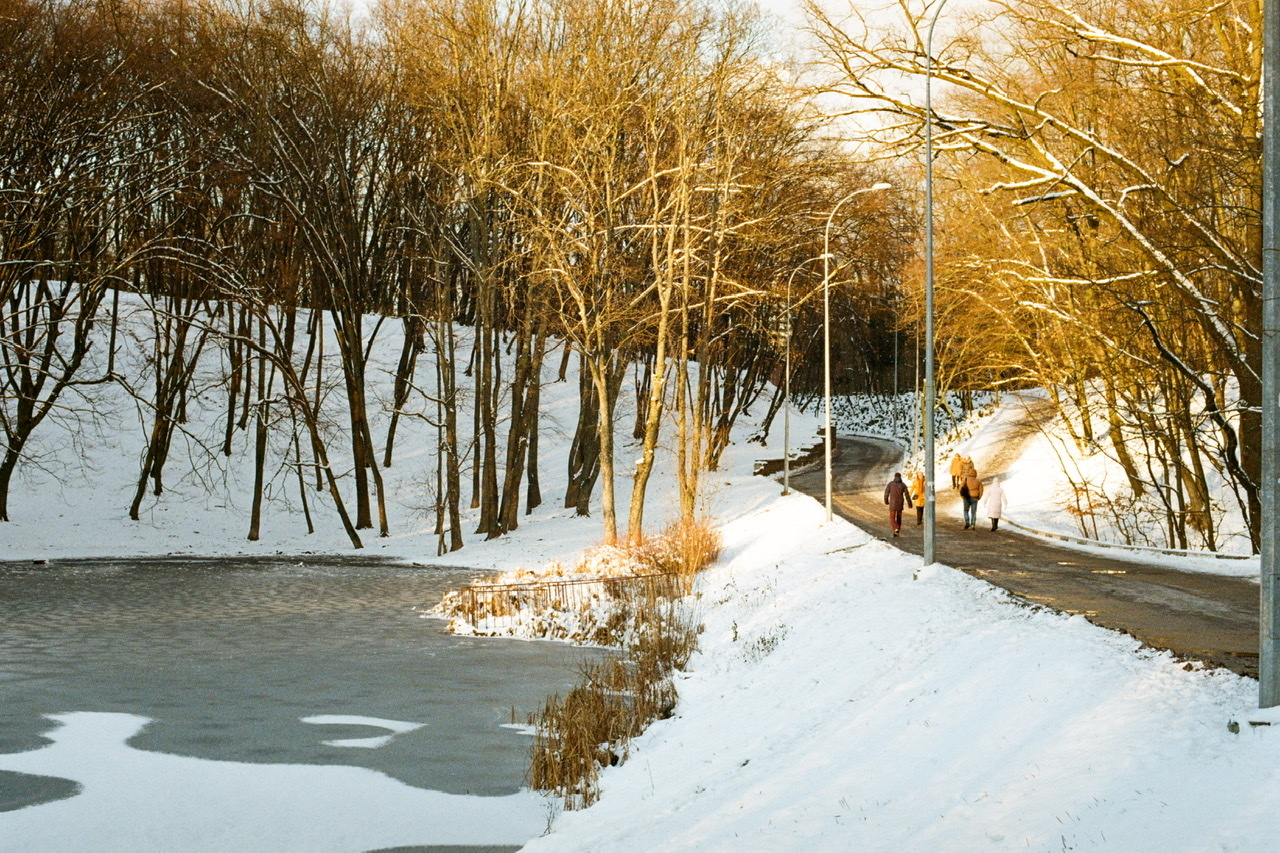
x: 786, y: 397
x: 786, y: 394
x: 930, y: 377
x: 826, y: 333
x: 1268, y: 629
x: 915, y: 393
x: 826, y: 352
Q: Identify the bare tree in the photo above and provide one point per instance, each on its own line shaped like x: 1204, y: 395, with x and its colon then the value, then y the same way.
x: 1122, y: 153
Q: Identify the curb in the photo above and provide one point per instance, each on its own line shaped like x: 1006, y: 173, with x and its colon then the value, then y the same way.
x: 1136, y: 549
x: 804, y: 455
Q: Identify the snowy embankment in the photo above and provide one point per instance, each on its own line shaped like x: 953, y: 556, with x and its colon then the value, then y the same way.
x: 844, y: 697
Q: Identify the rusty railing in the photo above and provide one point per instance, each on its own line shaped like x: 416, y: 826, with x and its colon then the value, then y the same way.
x: 515, y: 601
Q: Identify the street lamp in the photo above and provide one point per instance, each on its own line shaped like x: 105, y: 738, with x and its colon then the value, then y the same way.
x: 930, y: 382
x: 786, y: 394
x: 826, y: 328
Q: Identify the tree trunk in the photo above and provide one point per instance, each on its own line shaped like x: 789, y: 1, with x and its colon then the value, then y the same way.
x: 413, y: 344
x: 234, y: 350
x: 599, y: 366
x: 584, y: 451
x: 447, y: 394
x: 348, y: 325
x: 517, y: 432
x: 7, y: 466
x: 487, y: 395
x: 649, y: 418
x: 260, y: 438
x: 533, y: 498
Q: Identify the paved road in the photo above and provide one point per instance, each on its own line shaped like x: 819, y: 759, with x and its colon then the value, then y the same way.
x: 1196, y: 616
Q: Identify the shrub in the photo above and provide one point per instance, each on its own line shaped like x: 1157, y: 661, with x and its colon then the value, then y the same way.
x: 592, y: 726
x: 685, y: 548
x: 594, y: 602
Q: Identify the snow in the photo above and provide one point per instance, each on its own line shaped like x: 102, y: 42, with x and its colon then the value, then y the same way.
x: 72, y: 499
x: 1039, y: 494
x: 844, y: 696
x: 396, y: 727
x: 133, y: 800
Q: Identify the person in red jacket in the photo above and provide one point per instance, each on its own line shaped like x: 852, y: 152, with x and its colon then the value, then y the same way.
x: 896, y: 496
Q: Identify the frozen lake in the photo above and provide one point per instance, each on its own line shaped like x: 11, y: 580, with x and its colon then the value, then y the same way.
x: 265, y: 668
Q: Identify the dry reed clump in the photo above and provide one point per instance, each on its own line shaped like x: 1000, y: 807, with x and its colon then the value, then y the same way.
x: 592, y: 727
x: 685, y: 548
x: 593, y: 602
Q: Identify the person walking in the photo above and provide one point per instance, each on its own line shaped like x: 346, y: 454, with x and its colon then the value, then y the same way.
x: 994, y: 498
x: 896, y: 495
x: 957, y: 470
x: 970, y: 493
x: 917, y: 496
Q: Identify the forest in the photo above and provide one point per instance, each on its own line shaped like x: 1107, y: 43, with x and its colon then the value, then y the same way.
x: 628, y: 185
x: 645, y: 190
x: 1099, y: 165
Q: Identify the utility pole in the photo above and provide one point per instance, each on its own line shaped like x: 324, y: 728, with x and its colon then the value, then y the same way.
x: 1268, y: 630
x: 930, y: 373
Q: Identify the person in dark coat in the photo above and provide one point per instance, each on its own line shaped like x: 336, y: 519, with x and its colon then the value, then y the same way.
x: 896, y: 496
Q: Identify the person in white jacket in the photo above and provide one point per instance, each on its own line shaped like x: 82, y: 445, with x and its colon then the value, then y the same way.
x: 994, y: 497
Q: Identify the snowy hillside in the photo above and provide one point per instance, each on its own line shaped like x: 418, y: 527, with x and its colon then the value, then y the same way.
x: 71, y: 497
x: 847, y: 698
x: 844, y: 696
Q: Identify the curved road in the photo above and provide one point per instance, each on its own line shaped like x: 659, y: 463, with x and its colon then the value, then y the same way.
x: 1196, y: 616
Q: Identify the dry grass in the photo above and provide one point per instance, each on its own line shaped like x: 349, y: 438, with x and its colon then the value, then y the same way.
x: 685, y: 548
x: 592, y: 727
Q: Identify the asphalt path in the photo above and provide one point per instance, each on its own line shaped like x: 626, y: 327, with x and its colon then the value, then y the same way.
x: 1197, y: 616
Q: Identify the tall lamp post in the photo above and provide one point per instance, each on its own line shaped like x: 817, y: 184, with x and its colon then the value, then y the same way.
x: 930, y: 381
x: 786, y: 399
x: 826, y: 330
x: 1269, y: 621
x: 786, y: 394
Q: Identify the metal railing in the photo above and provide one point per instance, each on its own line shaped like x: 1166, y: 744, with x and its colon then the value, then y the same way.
x: 514, y: 602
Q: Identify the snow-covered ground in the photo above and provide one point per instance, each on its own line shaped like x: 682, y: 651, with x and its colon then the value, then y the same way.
x: 844, y: 696
x: 138, y: 801
x: 72, y: 498
x: 847, y: 698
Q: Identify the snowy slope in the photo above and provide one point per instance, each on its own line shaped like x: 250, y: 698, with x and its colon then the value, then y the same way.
x: 844, y: 696
x: 71, y: 498
x: 847, y: 698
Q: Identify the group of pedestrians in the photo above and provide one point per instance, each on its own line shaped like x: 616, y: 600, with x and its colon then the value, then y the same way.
x: 899, y: 496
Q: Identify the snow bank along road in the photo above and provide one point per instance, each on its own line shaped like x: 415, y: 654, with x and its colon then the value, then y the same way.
x: 1204, y: 617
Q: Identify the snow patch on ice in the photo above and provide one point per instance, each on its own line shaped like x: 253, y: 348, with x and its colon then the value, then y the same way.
x: 396, y: 727
x: 137, y: 800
